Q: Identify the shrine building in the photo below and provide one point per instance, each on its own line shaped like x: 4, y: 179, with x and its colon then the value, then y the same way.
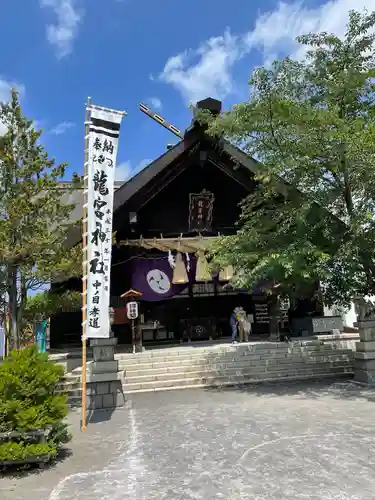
x: 164, y: 218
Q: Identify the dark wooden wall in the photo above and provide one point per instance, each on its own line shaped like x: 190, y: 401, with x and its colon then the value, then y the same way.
x: 168, y: 211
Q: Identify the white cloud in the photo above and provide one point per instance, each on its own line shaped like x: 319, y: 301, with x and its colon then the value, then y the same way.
x: 125, y: 170
x: 62, y: 33
x: 6, y: 88
x: 207, y: 71
x: 143, y: 164
x: 156, y: 103
x: 275, y: 32
x: 61, y: 128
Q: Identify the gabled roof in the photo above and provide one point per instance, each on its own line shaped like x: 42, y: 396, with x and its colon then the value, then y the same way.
x: 133, y: 185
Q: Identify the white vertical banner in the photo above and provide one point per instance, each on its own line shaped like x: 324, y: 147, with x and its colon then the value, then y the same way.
x: 104, y: 132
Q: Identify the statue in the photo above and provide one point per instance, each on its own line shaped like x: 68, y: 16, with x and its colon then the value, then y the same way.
x: 365, y: 307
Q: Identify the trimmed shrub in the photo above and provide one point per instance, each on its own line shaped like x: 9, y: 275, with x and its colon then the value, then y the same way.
x: 19, y: 452
x: 32, y: 411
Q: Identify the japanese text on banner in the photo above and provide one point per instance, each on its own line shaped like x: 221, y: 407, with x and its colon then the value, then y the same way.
x: 104, y: 131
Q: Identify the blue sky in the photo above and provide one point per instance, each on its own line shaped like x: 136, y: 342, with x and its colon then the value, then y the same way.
x: 165, y: 53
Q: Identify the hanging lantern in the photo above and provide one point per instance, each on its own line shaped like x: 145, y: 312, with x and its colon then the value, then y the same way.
x: 226, y: 274
x: 202, y: 272
x: 179, y: 272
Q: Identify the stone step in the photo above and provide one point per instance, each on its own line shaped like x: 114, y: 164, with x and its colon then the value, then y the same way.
x: 78, y: 370
x: 186, y: 363
x: 72, y: 375
x: 250, y: 366
x: 159, y: 368
x: 71, y: 380
x: 67, y: 386
x: 246, y: 346
x: 230, y: 356
x: 163, y: 354
x: 233, y: 358
x: 74, y: 393
x: 212, y: 380
x: 208, y: 380
x: 74, y: 396
x: 228, y: 345
x: 247, y: 371
x: 75, y: 401
x: 245, y: 381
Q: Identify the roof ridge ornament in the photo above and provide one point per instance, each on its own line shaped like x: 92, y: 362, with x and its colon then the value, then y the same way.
x: 208, y: 104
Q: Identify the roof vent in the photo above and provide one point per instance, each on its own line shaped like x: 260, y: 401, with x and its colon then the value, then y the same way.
x: 209, y: 104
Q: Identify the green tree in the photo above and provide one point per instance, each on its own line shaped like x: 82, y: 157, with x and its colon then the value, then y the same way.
x: 31, y: 400
x: 33, y: 218
x: 44, y: 304
x: 310, y: 124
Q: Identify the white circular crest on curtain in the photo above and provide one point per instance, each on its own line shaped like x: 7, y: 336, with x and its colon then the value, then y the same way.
x: 158, y: 281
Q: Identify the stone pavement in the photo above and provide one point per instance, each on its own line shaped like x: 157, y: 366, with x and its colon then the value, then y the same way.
x: 300, y: 440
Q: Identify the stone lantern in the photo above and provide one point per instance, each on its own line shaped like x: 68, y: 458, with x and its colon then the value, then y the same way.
x: 364, y: 357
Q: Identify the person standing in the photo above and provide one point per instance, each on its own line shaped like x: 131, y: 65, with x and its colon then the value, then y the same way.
x: 244, y: 327
x: 234, y: 325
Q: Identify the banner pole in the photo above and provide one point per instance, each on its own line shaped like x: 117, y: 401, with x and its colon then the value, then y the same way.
x: 85, y: 266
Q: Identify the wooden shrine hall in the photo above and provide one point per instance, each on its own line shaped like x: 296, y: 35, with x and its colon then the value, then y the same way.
x: 165, y: 217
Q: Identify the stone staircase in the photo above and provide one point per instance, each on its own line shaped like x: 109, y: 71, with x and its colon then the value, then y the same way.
x: 223, y: 365
x: 231, y: 365
x: 72, y: 385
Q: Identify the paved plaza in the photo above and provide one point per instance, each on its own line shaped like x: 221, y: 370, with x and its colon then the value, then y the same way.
x: 281, y: 441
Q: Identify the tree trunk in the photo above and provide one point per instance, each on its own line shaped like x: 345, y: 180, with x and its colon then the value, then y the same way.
x: 14, y: 338
x: 21, y: 308
x: 274, y: 314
